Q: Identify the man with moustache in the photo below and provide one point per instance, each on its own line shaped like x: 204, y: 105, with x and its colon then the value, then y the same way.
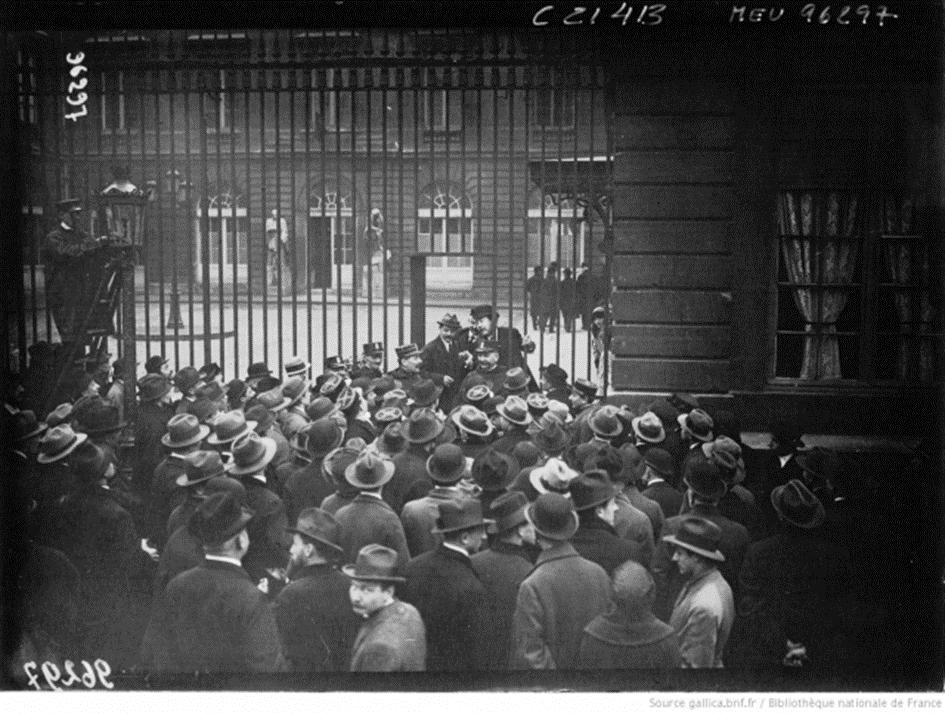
x: 441, y: 356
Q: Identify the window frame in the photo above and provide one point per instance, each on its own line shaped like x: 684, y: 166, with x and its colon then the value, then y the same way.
x: 236, y: 212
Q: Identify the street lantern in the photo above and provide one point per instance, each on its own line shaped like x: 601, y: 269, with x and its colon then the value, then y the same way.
x: 123, y: 204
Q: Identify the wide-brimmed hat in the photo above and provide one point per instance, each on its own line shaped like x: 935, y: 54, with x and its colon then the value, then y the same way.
x: 552, y: 438
x: 480, y: 311
x: 184, y: 430
x: 424, y: 392
x: 348, y: 399
x: 516, y: 380
x: 422, y: 426
x: 251, y: 453
x: 99, y: 418
x: 471, y: 420
x: 257, y: 371
x: 407, y: 350
x: 186, y: 379
x: 537, y: 403
x: 209, y: 372
x: 392, y: 440
x: 604, y: 422
x: 228, y: 427
x: 369, y: 471
x: 553, y: 516
x: 477, y: 394
x: 235, y: 389
x: 457, y: 515
x: 273, y: 400
x: 199, y: 467
x: 151, y: 387
x: 822, y: 463
x: 59, y: 415
x: 267, y: 383
x: 337, y: 461
x: 698, y: 535
x: 555, y: 374
x: 89, y: 462
x: 554, y: 476
x: 590, y: 490
x: 494, y: 471
x: 375, y: 563
x: 649, y: 428
x: 515, y: 410
x: 26, y: 425
x: 218, y: 518
x: 447, y: 464
x: 794, y: 502
x: 294, y: 389
x: 318, y: 525
x: 488, y: 346
x: 373, y: 349
x: 586, y: 388
x: 386, y: 415
x: 526, y: 454
x: 295, y: 366
x: 449, y: 320
x: 332, y: 385
x: 204, y: 409
x: 704, y: 479
x: 659, y: 461
x: 263, y: 417
x: 323, y: 435
x: 58, y: 442
x: 727, y: 455
x: 319, y: 408
x: 395, y: 398
x: 697, y: 423
x: 508, y: 511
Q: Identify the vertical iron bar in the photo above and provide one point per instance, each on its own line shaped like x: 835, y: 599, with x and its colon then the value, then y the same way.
x: 291, y: 258
x: 494, y: 252
x: 263, y: 77
x: 416, y: 80
x: 235, y: 310
x: 202, y: 198
x: 205, y: 215
x: 323, y: 170
x: 401, y: 75
x: 369, y: 232
x: 278, y: 76
x: 248, y: 76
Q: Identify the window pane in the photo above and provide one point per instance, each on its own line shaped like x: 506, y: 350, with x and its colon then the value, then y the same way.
x: 423, y: 226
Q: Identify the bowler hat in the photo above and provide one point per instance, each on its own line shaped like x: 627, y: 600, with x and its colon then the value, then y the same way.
x: 555, y: 374
x: 590, y: 490
x: 508, y: 511
x: 727, y: 455
x: 586, y: 388
x: 319, y: 408
x: 471, y: 420
x: 516, y: 380
x: 481, y: 311
x: 659, y: 461
x: 68, y: 204
x: 228, y: 427
x: 389, y: 414
x: 704, y: 479
x: 537, y: 403
x: 323, y: 435
x: 795, y: 503
x: 218, y: 518
x: 262, y: 416
x: 515, y: 410
x: 604, y: 422
x: 369, y: 471
x: 26, y: 426
x: 478, y: 393
x: 59, y: 415
x: 488, y: 346
x: 697, y: 423
x: 447, y: 464
x: 649, y: 428
x: 449, y: 320
x: 184, y: 430
x: 526, y: 454
x: 199, y: 467
x: 392, y: 440
x: 407, y: 350
x: 58, y: 443
x: 787, y: 433
x: 154, y: 363
x: 457, y: 515
x: 424, y: 392
x: 423, y: 426
x: 375, y: 563
x: 226, y: 484
x: 494, y: 471
x: 554, y: 476
x: 89, y: 463
x: 295, y: 366
x: 151, y: 387
x: 552, y: 438
x: 236, y: 389
x: 553, y: 516
x: 294, y: 389
x: 209, y: 372
x: 186, y: 379
x: 257, y: 371
x: 318, y: 525
x: 273, y: 400
x: 698, y: 535
x: 332, y: 385
x: 251, y: 453
x: 373, y: 348
x: 267, y: 383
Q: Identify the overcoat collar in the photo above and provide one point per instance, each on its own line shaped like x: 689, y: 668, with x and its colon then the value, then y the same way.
x: 560, y: 550
x: 443, y: 551
x: 312, y: 570
x: 619, y: 628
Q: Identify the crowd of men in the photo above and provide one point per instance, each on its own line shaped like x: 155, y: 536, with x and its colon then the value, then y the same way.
x: 452, y: 514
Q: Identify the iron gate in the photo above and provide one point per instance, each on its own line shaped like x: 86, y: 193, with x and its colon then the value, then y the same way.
x: 292, y: 175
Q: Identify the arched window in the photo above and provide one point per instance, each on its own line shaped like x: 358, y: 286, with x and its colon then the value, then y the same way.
x: 228, y: 235
x: 445, y: 228
x: 556, y: 230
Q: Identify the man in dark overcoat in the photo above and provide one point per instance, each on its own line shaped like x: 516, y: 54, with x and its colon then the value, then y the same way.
x: 411, y: 480
x: 533, y: 294
x: 309, y: 485
x: 316, y: 624
x: 441, y: 356
x: 444, y: 588
x: 184, y: 436
x: 213, y: 619
x: 515, y: 413
x: 154, y: 411
x: 594, y: 498
x: 658, y: 474
x: 410, y: 369
x: 446, y: 467
x: 513, y: 348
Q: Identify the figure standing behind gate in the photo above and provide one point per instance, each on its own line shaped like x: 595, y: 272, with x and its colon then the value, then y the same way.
x: 277, y: 238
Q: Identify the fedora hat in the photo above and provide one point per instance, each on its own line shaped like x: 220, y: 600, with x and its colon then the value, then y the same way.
x: 389, y: 414
x: 664, y: 411
x: 295, y: 366
x: 794, y: 502
x: 447, y: 464
x: 395, y: 398
x: 659, y: 461
x: 392, y: 440
x: 822, y: 463
x: 649, y: 428
x: 262, y: 416
x: 514, y: 410
x: 373, y: 349
x: 604, y: 422
x: 526, y: 454
x: 552, y: 438
x: 273, y: 400
x: 423, y: 426
x: 555, y: 374
x: 375, y: 563
x: 184, y: 430
x: 235, y: 389
x: 553, y: 516
x: 537, y: 403
x: 205, y: 410
x: 151, y: 387
x: 218, y: 518
x: 251, y: 453
x: 516, y: 380
x: 727, y: 455
x: 58, y: 442
x: 586, y: 387
x: 154, y: 363
x: 405, y: 351
x: 336, y: 462
x: 471, y: 420
x: 323, y: 435
x: 332, y: 385
x: 508, y: 511
x: 424, y: 392
x: 704, y: 479
x: 318, y: 525
x: 488, y: 346
x: 257, y: 371
x: 553, y: 477
x: 697, y: 423
x: 590, y: 490
x: 319, y: 408
x: 480, y: 311
x: 267, y: 383
x: 199, y: 467
x: 494, y: 471
x: 89, y: 463
x: 294, y: 389
x: 209, y: 372
x: 477, y: 394
x: 186, y: 379
x: 698, y: 535
x: 59, y: 415
x: 26, y: 425
x: 348, y: 398
x: 369, y: 471
x: 228, y: 427
x: 457, y: 515
x: 100, y: 418
x: 560, y: 410
x: 449, y: 320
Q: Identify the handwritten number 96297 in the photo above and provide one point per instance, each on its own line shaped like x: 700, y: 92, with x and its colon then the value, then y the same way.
x: 92, y: 675
x: 76, y: 97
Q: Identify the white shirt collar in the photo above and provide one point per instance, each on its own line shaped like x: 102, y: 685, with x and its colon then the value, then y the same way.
x: 371, y: 494
x: 260, y: 477
x: 220, y: 558
x: 457, y: 548
x: 785, y: 459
